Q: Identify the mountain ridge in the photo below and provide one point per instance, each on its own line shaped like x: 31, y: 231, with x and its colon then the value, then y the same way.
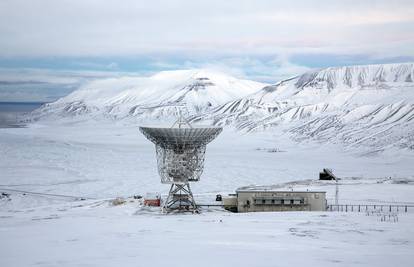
x: 369, y: 105
x: 153, y: 97
x: 330, y: 105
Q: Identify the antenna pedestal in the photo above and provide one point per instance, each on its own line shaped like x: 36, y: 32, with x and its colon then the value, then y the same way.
x: 180, y: 198
x: 180, y: 154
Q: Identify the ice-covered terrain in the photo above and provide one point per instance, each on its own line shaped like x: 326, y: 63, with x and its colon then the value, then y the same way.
x: 99, y: 162
x: 94, y: 233
x: 87, y: 145
x: 148, y: 98
x: 371, y: 105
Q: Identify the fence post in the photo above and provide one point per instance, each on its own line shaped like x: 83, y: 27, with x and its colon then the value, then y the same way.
x: 360, y: 208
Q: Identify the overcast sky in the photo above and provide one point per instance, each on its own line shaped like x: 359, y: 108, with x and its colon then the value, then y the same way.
x: 261, y: 40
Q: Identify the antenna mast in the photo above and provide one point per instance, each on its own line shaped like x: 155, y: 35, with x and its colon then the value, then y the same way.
x: 181, y: 121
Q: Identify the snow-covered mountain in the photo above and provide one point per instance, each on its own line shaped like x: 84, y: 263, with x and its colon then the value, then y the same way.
x: 356, y: 105
x: 154, y: 97
x: 371, y: 105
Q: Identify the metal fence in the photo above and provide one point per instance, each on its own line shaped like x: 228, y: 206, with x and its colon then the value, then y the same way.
x: 371, y: 207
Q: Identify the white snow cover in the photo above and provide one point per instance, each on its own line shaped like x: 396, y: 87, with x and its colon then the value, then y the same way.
x: 371, y: 105
x: 94, y: 233
x: 105, y: 160
x: 94, y: 150
x: 151, y: 97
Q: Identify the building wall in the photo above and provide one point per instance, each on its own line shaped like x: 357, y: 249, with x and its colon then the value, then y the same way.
x: 230, y: 203
x: 254, y: 201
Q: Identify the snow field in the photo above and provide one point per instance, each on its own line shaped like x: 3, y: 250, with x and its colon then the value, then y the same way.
x: 97, y: 234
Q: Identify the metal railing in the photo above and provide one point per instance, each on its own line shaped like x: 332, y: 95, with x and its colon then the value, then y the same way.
x: 370, y: 207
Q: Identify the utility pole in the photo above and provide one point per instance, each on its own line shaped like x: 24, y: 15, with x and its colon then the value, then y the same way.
x: 336, y: 191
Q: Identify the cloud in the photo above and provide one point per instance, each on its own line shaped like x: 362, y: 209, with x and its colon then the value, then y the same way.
x: 202, y: 28
x: 112, y: 66
x: 40, y: 85
x: 261, y: 40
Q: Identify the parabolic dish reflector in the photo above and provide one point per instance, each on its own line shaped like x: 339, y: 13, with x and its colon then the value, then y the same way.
x: 180, y: 151
x: 177, y: 137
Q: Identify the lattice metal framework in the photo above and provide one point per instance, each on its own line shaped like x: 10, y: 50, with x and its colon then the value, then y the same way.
x: 180, y: 151
x: 180, y: 158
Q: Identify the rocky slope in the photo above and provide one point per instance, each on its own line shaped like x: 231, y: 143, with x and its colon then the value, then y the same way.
x: 371, y: 105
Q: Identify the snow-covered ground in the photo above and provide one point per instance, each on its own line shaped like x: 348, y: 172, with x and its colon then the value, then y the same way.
x: 102, y: 160
x: 355, y: 120
x: 97, y: 234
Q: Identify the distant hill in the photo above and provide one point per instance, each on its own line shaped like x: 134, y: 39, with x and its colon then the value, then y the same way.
x: 371, y: 105
x: 149, y: 98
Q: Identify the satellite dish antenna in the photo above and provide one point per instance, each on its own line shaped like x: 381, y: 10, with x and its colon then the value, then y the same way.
x: 180, y: 151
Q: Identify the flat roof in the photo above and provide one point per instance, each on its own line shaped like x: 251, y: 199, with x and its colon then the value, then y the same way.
x: 274, y: 191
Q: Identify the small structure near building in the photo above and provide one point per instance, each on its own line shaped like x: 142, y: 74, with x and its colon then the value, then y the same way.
x: 152, y: 200
x: 230, y: 202
x: 272, y: 200
x: 327, y: 174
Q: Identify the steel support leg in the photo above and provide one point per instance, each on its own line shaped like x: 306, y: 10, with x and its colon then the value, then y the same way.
x: 180, y: 198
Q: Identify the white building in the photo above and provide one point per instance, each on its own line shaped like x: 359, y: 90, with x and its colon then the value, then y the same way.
x: 272, y: 200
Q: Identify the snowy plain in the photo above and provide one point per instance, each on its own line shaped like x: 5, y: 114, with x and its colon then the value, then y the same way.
x: 96, y: 234
x: 88, y: 146
x: 101, y: 160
